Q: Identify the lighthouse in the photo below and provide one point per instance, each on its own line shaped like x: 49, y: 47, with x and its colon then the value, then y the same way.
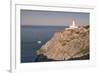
x: 73, y: 25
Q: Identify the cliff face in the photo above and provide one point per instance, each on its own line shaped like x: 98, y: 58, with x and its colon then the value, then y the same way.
x: 70, y: 43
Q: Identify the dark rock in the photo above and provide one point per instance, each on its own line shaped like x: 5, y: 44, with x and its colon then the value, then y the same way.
x: 42, y: 58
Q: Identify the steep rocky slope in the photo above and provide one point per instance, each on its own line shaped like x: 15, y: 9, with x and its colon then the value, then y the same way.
x: 67, y: 44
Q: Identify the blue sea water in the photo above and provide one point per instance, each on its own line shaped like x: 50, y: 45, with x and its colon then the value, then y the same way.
x: 29, y: 37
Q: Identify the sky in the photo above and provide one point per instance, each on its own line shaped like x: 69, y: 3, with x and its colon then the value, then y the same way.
x: 53, y: 18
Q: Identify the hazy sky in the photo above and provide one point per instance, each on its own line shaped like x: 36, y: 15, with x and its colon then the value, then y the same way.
x: 36, y: 17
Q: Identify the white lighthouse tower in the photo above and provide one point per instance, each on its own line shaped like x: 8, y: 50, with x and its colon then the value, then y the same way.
x: 73, y: 25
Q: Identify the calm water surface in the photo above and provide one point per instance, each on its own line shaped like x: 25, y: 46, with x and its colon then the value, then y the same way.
x: 29, y: 37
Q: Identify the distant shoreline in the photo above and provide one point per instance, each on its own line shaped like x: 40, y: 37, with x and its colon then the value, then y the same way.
x: 37, y: 26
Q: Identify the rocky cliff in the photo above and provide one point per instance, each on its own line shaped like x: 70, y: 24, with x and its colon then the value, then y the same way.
x: 67, y: 44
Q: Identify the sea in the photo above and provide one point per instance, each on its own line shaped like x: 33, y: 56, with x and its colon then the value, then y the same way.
x: 33, y: 37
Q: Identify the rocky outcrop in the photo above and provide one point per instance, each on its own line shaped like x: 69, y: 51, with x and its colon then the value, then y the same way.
x: 42, y: 58
x: 68, y: 44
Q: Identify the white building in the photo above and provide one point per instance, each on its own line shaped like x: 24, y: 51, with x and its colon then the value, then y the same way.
x: 72, y: 26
